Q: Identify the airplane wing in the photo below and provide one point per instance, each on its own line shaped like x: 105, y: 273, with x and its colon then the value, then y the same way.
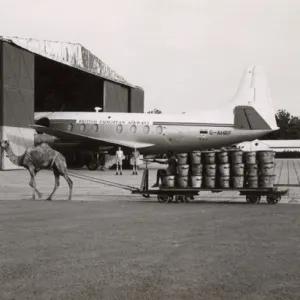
x: 82, y: 138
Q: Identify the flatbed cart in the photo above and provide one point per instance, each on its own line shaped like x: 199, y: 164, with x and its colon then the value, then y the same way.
x: 165, y: 194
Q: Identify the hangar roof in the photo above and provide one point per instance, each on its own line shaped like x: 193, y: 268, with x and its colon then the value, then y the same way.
x: 74, y: 55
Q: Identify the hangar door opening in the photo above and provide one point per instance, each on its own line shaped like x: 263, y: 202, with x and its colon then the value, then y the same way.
x: 59, y: 87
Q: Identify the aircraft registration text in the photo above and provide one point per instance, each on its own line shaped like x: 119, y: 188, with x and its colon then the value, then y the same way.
x: 220, y: 132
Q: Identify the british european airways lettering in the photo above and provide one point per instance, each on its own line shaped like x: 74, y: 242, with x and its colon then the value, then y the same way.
x: 114, y: 122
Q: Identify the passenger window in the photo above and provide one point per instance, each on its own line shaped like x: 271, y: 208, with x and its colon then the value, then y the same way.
x: 119, y: 128
x: 159, y: 130
x: 70, y: 127
x: 146, y: 129
x: 95, y: 127
x: 82, y: 127
x: 133, y: 129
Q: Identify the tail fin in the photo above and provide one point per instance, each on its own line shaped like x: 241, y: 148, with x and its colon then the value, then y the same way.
x: 246, y: 117
x: 253, y: 103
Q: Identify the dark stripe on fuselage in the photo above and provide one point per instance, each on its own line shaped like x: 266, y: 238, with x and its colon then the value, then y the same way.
x: 193, y: 124
x: 62, y: 121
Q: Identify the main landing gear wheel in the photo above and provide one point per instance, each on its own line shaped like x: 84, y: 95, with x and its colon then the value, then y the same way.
x: 273, y: 199
x: 253, y: 199
x: 92, y: 165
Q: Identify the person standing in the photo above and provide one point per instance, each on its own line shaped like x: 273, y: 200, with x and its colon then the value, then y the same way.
x: 119, y: 160
x: 134, y: 157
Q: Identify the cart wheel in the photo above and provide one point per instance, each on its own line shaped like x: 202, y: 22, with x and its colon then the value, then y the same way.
x: 273, y: 199
x: 170, y: 198
x: 179, y: 198
x: 162, y: 198
x: 186, y: 199
x: 253, y: 199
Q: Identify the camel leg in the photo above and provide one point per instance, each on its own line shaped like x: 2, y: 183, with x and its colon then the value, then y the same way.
x: 61, y: 168
x: 70, y: 183
x: 56, y: 185
x: 33, y: 184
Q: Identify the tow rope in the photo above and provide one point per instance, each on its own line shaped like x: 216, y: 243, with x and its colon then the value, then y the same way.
x: 105, y: 182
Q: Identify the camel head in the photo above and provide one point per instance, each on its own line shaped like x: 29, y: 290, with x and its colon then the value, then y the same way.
x: 4, y: 144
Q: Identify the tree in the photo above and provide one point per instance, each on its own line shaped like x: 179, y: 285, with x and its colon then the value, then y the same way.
x: 154, y: 111
x: 289, y: 126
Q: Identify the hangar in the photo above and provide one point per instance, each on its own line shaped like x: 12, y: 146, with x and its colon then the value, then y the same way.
x: 39, y: 75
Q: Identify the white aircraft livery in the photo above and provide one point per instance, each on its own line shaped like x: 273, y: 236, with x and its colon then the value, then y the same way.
x: 250, y: 115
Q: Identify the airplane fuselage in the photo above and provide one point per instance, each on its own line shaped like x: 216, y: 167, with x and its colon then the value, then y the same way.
x: 150, y: 133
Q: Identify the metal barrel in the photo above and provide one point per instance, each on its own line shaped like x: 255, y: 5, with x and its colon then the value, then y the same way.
x: 183, y: 170
x: 209, y: 157
x: 169, y: 180
x: 238, y: 182
x: 209, y: 182
x: 182, y: 158
x: 222, y: 157
x: 250, y: 157
x: 182, y: 181
x: 266, y: 156
x: 237, y: 169
x: 267, y: 181
x: 196, y: 181
x: 252, y: 181
x: 224, y: 170
x: 236, y: 156
x: 210, y: 170
x: 224, y: 182
x: 266, y: 169
x: 196, y: 169
x: 196, y: 157
x: 251, y: 170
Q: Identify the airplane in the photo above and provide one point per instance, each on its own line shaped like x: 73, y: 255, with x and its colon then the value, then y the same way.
x: 248, y: 116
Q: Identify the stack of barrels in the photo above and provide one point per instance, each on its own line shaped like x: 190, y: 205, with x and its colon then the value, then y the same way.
x: 182, y: 177
x: 196, y: 169
x: 237, y: 168
x: 259, y: 170
x: 266, y: 166
x: 224, y: 169
x: 251, y: 169
x: 209, y: 169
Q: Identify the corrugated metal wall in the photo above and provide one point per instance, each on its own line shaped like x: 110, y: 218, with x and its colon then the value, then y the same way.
x: 136, y: 100
x: 17, y: 105
x: 116, y: 97
x: 18, y: 86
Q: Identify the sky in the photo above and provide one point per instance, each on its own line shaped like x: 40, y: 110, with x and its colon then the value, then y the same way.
x: 188, y: 55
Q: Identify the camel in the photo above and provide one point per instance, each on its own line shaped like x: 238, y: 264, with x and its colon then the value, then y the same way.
x: 37, y: 158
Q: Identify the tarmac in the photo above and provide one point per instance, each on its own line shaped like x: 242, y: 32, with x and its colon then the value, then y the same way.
x: 109, y: 244
x: 14, y: 185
